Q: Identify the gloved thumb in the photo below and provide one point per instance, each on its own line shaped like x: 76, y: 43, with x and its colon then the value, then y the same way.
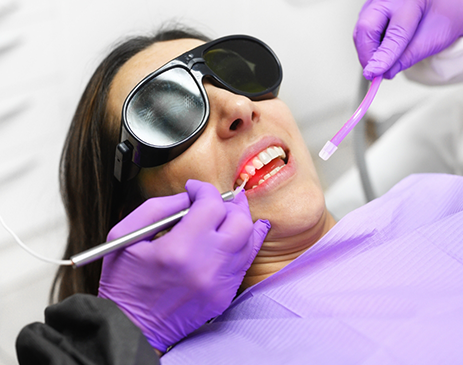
x: 261, y: 228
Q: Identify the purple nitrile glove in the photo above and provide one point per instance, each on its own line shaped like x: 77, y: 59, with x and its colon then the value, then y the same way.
x: 412, y: 31
x: 171, y: 286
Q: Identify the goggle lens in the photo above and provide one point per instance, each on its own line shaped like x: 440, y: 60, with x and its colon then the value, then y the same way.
x: 168, y: 109
x: 244, y: 65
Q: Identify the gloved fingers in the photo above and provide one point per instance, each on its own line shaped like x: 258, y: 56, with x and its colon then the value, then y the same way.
x: 402, y: 63
x: 207, y: 210
x: 240, y: 261
x: 148, y: 213
x: 391, y: 50
x: 260, y: 230
x: 369, y: 31
x: 237, y: 227
x: 398, y: 34
x: 178, y: 245
x: 240, y: 203
x: 429, y: 39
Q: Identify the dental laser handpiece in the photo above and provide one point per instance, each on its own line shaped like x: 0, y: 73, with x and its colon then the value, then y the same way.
x: 103, y: 249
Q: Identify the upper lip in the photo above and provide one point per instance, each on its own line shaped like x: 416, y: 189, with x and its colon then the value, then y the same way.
x: 254, y: 150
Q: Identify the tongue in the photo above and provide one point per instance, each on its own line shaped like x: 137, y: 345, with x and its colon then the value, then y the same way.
x: 254, y: 180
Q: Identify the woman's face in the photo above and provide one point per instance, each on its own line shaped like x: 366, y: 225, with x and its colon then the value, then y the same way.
x: 238, y: 131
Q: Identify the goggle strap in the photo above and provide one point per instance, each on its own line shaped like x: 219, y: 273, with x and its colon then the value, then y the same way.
x: 124, y: 168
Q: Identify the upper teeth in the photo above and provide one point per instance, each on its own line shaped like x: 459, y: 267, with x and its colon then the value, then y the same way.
x: 262, y: 159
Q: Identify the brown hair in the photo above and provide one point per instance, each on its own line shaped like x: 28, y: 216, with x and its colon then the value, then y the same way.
x: 94, y: 200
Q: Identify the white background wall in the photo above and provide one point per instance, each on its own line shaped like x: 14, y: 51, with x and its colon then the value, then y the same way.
x: 48, y: 48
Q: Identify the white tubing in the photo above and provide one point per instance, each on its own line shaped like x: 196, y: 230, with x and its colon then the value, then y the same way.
x: 27, y: 249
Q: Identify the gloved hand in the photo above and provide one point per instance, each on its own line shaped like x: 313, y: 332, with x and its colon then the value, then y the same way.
x: 412, y: 31
x: 171, y: 286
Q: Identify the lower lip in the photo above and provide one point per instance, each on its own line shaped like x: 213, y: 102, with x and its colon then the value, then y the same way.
x: 275, y: 181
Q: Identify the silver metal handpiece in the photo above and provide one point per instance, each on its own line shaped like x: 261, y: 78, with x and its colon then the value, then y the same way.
x: 105, y: 248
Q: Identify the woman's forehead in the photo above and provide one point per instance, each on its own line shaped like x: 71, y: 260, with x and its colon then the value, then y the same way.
x: 142, y: 64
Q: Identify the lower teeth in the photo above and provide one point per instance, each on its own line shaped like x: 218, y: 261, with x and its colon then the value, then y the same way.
x: 273, y: 172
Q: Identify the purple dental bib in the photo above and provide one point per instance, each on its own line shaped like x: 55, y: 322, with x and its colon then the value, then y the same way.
x: 384, y: 286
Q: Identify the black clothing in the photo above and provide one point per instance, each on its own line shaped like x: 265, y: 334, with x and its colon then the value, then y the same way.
x: 84, y: 330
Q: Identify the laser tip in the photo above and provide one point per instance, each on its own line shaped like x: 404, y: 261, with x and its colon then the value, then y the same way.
x: 240, y: 188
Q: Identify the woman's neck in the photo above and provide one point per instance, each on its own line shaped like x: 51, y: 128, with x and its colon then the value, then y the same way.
x: 277, y: 253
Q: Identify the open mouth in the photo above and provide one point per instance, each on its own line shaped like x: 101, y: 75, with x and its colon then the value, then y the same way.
x: 262, y: 167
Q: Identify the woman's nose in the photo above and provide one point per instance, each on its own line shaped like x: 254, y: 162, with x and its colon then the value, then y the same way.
x: 230, y: 113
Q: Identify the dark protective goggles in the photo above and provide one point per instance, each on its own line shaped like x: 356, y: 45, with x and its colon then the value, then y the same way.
x: 169, y: 109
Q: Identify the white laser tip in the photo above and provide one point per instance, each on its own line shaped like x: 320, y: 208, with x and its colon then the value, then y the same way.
x: 240, y: 188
